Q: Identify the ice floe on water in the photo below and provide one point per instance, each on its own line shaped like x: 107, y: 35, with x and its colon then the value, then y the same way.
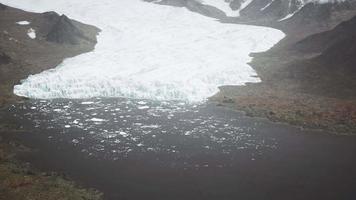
x: 163, y: 128
x: 97, y: 120
x: 148, y: 51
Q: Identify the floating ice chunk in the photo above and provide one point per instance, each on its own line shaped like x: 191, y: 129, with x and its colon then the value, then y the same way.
x: 188, y: 133
x: 153, y: 126
x: 142, y: 103
x: 87, y: 102
x: 23, y: 23
x: 123, y: 134
x: 97, y: 120
x: 31, y: 33
x: 143, y: 107
x: 75, y: 141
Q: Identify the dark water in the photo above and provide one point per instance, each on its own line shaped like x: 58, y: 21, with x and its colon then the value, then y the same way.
x: 134, y: 149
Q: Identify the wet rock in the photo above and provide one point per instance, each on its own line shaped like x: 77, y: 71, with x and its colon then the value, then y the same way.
x: 65, y: 32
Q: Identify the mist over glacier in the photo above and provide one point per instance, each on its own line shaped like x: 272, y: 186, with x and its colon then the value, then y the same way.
x: 148, y: 51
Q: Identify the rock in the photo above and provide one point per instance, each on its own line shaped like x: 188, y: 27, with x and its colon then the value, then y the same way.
x: 4, y: 59
x: 2, y: 6
x: 65, y: 32
x: 206, y: 10
x: 228, y: 100
x: 51, y: 16
x: 194, y: 6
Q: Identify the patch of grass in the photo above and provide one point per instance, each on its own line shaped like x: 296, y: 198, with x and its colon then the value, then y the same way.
x: 18, y: 182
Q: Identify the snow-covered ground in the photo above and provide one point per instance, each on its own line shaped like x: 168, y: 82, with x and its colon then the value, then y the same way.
x: 148, y: 51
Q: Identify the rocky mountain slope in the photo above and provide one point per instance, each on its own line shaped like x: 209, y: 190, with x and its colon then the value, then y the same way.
x: 317, y: 43
x: 297, y: 18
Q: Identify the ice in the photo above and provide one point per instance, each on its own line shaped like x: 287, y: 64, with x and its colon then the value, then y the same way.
x: 152, y: 126
x: 148, y: 51
x: 97, y: 120
x: 142, y: 103
x: 23, y: 23
x: 31, y: 33
x: 143, y: 107
x: 87, y: 103
x: 123, y: 134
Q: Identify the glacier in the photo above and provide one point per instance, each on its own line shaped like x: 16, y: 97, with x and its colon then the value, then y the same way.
x: 148, y: 51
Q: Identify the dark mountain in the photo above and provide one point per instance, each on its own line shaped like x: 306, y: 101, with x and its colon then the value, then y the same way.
x: 299, y: 18
x: 270, y: 10
x: 317, y: 43
x: 313, y: 18
x: 341, y: 56
x: 194, y: 6
x: 332, y: 70
x: 2, y: 6
x: 65, y: 32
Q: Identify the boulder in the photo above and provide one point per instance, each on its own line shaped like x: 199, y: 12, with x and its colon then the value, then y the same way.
x: 4, y: 59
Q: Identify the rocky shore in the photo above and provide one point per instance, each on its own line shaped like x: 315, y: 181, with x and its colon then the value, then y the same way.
x: 19, y: 180
x: 337, y: 116
x: 31, y: 43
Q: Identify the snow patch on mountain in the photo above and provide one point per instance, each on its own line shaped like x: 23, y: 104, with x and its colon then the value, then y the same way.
x: 31, y: 33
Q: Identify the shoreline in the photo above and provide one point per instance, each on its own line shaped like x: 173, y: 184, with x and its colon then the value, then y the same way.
x: 21, y: 56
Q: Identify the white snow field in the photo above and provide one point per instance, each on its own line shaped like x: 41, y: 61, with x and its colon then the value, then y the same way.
x: 148, y: 51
